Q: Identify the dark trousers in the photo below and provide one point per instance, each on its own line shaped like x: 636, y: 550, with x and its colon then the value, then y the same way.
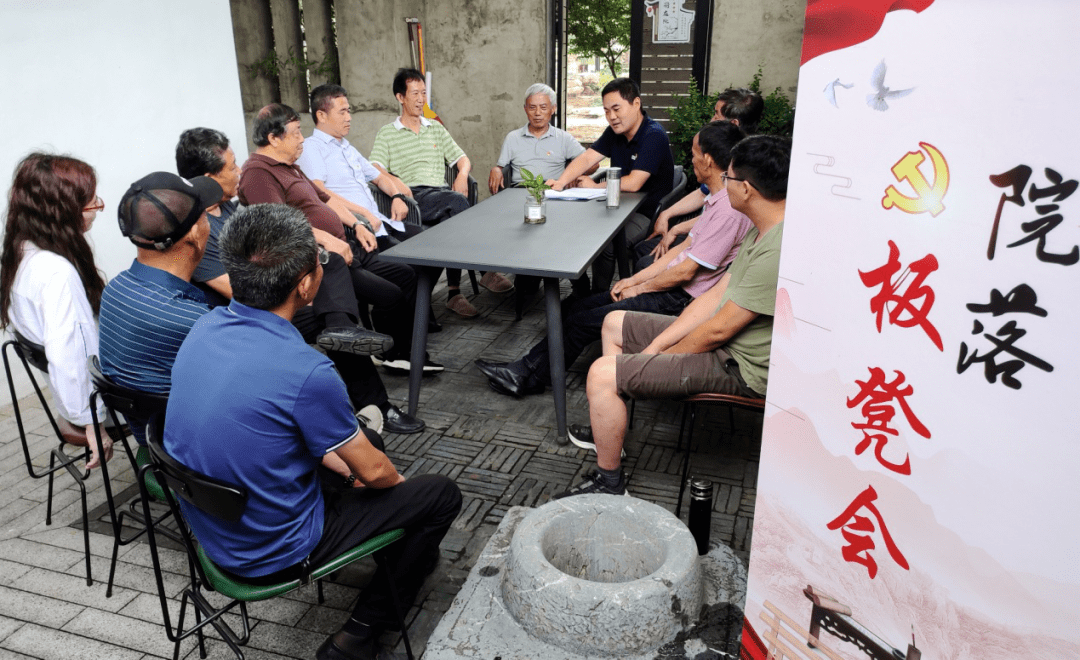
x: 336, y: 294
x: 425, y: 506
x: 437, y: 204
x: 584, y: 319
x: 395, y: 237
x: 603, y: 267
x: 640, y: 258
x: 390, y: 289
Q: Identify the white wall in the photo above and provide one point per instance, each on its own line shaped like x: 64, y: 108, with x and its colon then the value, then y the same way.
x: 114, y: 83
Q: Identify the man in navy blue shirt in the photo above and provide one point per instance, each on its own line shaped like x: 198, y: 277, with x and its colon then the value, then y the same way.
x: 639, y: 147
x: 254, y: 406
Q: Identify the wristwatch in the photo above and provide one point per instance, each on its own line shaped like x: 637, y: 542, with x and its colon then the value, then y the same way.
x: 350, y: 481
x: 404, y: 198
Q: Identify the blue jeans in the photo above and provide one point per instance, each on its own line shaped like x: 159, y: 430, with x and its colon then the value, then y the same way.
x: 583, y: 321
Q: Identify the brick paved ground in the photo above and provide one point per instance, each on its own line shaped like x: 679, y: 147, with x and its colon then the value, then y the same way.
x: 500, y: 451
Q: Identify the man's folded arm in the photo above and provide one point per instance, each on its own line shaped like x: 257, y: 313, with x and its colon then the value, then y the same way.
x: 372, y: 467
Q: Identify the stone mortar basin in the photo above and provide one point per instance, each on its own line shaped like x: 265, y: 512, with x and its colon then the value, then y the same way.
x: 603, y: 575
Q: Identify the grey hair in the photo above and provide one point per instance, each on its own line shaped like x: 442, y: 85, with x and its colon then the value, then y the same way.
x: 265, y: 249
x: 541, y: 88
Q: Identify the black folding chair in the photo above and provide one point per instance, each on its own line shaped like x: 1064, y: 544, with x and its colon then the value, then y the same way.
x: 227, y: 502
x: 131, y: 404
x: 30, y: 353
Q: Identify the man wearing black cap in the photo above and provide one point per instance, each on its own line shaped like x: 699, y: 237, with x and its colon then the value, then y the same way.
x: 147, y: 310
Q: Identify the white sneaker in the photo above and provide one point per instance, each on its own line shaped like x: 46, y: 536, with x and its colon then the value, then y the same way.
x: 371, y: 417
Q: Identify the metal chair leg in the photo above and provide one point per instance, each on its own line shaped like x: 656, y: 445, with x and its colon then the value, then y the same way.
x: 86, y: 532
x: 48, y: 502
x: 475, y: 284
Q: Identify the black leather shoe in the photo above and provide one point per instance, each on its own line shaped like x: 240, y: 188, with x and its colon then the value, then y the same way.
x: 395, y: 420
x: 355, y: 340
x: 505, y: 380
x: 343, y: 645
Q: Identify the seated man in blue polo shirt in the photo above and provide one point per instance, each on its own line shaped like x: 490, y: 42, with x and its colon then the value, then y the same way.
x: 245, y: 374
x: 639, y: 147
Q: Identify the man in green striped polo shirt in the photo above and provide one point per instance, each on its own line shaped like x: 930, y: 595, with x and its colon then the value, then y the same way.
x: 417, y: 150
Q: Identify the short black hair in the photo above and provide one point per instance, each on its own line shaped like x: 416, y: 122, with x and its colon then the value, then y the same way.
x: 200, y: 151
x: 743, y: 105
x: 627, y: 88
x: 322, y: 97
x: 403, y: 77
x: 717, y: 139
x: 763, y: 160
x: 266, y: 248
x: 272, y: 120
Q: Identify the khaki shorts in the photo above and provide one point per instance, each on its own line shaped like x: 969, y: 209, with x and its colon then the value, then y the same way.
x: 671, y: 376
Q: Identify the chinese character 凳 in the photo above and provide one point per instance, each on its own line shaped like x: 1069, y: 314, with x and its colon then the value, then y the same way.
x: 878, y: 398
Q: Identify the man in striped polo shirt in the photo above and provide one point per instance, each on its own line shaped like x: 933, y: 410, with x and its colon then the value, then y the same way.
x: 417, y: 151
x: 165, y: 217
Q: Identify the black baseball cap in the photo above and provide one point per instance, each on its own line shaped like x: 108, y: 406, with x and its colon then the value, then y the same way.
x: 160, y: 208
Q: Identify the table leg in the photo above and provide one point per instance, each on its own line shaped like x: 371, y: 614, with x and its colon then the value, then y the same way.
x: 622, y: 253
x: 556, y: 357
x: 419, y: 337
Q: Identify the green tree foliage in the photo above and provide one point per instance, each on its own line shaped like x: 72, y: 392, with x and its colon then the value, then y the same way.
x: 599, y: 28
x: 779, y: 115
x: 687, y: 117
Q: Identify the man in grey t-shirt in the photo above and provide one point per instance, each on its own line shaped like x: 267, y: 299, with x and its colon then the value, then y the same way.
x: 537, y: 146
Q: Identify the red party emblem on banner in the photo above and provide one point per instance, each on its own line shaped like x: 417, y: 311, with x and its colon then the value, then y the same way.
x: 928, y: 195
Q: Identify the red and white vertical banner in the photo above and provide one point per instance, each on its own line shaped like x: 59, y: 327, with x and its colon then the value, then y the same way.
x: 919, y: 489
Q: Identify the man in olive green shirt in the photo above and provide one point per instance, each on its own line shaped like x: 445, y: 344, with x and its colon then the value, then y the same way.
x: 721, y: 341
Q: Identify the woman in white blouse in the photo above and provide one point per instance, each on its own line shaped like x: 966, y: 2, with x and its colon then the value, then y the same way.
x: 50, y: 289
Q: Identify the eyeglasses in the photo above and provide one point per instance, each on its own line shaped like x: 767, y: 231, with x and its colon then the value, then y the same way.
x: 98, y: 205
x: 324, y: 258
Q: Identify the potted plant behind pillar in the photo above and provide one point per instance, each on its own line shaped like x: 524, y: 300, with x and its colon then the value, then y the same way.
x: 535, y: 204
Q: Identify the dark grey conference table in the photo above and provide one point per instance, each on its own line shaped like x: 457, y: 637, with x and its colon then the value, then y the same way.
x: 492, y: 236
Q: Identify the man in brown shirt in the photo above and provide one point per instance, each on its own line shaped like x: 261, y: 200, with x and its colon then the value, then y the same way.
x: 270, y: 176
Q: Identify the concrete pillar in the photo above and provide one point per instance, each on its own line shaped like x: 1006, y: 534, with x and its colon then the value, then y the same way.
x: 319, y: 38
x: 254, y: 39
x: 748, y: 33
x: 288, y: 43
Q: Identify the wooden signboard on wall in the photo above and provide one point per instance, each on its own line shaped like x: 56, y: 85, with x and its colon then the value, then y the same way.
x: 669, y: 42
